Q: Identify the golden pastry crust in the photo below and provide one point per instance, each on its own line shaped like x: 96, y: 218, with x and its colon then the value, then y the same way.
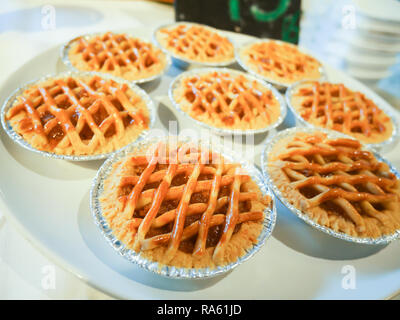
x: 84, y: 115
x: 228, y: 101
x: 179, y: 212
x: 119, y: 55
x: 337, y: 183
x: 280, y: 62
x: 197, y: 43
x: 336, y: 107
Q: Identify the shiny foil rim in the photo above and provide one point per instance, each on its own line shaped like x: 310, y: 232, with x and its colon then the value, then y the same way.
x: 304, y: 216
x: 170, y: 271
x: 384, y: 146
x: 279, y: 85
x: 186, y: 61
x: 16, y: 137
x: 223, y: 131
x: 64, y: 55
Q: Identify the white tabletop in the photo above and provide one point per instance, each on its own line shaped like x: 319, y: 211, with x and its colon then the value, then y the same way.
x: 25, y: 273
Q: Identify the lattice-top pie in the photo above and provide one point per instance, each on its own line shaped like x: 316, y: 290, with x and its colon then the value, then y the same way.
x: 227, y: 100
x: 118, y: 54
x: 334, y: 106
x: 337, y: 183
x: 78, y: 115
x: 196, y: 42
x: 279, y: 62
x: 183, y: 205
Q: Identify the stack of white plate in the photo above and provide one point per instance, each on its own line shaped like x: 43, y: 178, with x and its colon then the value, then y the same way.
x: 361, y: 37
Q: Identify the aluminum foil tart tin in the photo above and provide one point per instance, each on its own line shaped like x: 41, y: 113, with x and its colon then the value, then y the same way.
x: 184, y: 63
x: 16, y: 137
x: 331, y: 134
x: 384, y: 146
x: 170, y: 271
x: 223, y: 131
x: 64, y: 55
x: 277, y: 84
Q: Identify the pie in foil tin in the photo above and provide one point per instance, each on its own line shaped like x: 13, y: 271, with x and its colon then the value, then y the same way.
x: 20, y: 140
x: 98, y: 210
x: 290, y: 203
x: 176, y: 83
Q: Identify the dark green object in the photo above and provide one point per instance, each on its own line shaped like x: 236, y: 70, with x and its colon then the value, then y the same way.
x: 265, y: 16
x: 276, y: 19
x: 290, y: 28
x: 234, y: 10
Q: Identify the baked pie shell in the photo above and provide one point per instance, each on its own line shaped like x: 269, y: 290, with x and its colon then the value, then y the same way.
x: 75, y: 62
x: 277, y: 112
x: 240, y: 243
x: 294, y: 101
x: 242, y: 56
x: 31, y: 141
x: 295, y: 201
x: 220, y: 61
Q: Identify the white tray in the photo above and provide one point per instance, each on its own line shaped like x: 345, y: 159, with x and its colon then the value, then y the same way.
x: 48, y: 201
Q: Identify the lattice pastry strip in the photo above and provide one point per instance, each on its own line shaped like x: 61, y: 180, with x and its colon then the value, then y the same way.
x: 226, y: 100
x: 336, y: 107
x: 197, y: 43
x: 175, y: 203
x: 338, y: 184
x: 78, y: 115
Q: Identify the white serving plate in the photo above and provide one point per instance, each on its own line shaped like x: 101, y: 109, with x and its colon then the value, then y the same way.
x: 47, y: 200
